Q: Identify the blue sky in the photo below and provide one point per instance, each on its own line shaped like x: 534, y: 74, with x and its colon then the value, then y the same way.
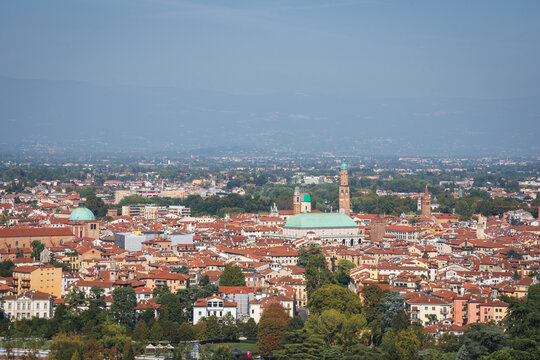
x: 472, y: 49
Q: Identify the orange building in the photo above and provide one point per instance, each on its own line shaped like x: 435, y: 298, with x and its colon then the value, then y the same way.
x: 19, y: 237
x: 157, y: 278
x: 46, y: 279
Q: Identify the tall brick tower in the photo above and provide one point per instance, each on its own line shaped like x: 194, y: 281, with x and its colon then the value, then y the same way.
x: 426, y: 204
x: 296, y: 201
x: 344, y: 196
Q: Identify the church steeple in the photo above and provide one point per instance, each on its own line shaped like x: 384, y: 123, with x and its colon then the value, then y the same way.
x: 344, y: 196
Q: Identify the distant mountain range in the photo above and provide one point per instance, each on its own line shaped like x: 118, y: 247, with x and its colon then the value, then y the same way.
x: 81, y: 117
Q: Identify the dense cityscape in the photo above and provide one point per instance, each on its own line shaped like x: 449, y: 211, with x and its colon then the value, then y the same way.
x: 269, y: 180
x: 279, y: 257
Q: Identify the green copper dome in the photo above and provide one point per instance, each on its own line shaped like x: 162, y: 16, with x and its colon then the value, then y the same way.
x: 82, y: 214
x: 307, y: 198
x: 319, y: 221
x: 343, y: 165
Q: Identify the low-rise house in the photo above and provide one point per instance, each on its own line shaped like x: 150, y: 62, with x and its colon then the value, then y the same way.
x: 427, y: 309
x: 159, y: 278
x: 213, y: 305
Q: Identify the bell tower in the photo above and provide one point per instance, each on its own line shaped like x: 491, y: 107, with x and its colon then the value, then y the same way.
x: 426, y: 204
x: 296, y: 201
x: 344, y: 196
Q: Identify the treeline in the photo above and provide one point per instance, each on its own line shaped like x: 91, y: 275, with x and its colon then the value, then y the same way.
x: 213, y: 205
x: 83, y: 327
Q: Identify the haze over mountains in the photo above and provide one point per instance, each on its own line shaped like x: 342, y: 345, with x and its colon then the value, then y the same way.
x: 99, y: 118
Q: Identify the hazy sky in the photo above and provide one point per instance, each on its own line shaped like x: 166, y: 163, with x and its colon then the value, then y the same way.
x: 478, y: 49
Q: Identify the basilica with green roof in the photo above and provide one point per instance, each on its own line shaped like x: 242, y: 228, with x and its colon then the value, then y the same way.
x: 323, y: 227
x: 84, y: 223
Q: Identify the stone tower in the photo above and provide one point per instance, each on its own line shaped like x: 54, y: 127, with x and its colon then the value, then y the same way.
x: 378, y: 228
x: 481, y: 227
x: 344, y: 196
x: 296, y: 200
x: 426, y: 204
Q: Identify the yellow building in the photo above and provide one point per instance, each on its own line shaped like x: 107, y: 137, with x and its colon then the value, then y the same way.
x: 46, y: 279
x: 73, y: 259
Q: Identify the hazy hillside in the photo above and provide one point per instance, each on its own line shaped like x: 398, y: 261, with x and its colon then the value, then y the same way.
x: 88, y: 117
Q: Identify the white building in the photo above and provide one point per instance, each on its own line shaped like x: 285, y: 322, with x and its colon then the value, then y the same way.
x: 28, y: 305
x: 425, y: 309
x: 213, y: 305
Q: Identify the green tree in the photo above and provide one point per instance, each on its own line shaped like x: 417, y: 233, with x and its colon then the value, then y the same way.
x: 232, y: 276
x: 123, y: 306
x: 481, y: 339
x: 317, y: 274
x: 249, y: 328
x: 129, y: 354
x: 462, y: 353
x: 37, y: 248
x: 304, y: 254
x: 344, y: 269
x: 373, y: 296
x: 64, y: 346
x: 513, y: 254
x: 296, y: 323
x: 6, y: 268
x: 334, y: 297
x: 392, y: 304
x: 156, y: 332
x: 328, y: 325
x: 407, y: 345
x: 448, y: 342
x: 401, y: 321
x: 522, y: 321
x: 186, y: 332
x: 301, y: 345
x: 213, y: 328
x: 96, y: 298
x: 113, y: 334
x: 170, y: 329
x: 353, y: 328
x: 76, y: 298
x: 172, y: 308
x: 141, y: 331
x: 229, y: 328
x: 96, y: 205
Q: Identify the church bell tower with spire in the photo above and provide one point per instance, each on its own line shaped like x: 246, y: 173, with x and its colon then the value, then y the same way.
x: 344, y: 196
